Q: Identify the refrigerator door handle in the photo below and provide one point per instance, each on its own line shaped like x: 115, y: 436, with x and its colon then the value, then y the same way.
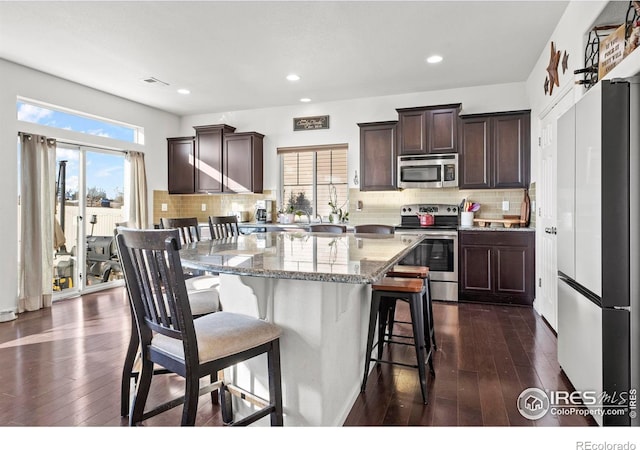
x: 623, y: 308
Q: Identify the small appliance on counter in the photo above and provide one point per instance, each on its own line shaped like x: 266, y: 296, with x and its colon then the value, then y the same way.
x: 264, y: 210
x: 242, y: 216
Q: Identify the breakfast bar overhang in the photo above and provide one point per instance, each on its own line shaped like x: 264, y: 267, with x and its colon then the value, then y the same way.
x: 317, y: 287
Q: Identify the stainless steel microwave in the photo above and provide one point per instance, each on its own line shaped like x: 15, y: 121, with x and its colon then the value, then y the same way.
x: 428, y: 171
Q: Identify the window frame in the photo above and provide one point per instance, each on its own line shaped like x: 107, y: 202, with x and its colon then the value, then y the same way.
x: 315, y: 149
x: 138, y: 131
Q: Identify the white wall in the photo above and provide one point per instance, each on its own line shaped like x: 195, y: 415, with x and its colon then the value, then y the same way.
x: 570, y: 36
x: 17, y: 81
x: 277, y: 123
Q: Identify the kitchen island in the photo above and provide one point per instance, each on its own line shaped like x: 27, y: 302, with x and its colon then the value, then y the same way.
x: 317, y: 287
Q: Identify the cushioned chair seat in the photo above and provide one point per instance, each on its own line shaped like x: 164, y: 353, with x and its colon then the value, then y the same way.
x: 204, y: 301
x: 202, y: 282
x: 221, y: 334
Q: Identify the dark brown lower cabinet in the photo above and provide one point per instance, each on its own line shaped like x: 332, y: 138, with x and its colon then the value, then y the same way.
x: 497, y: 267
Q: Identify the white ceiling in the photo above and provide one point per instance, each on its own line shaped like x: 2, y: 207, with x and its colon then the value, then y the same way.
x: 235, y: 55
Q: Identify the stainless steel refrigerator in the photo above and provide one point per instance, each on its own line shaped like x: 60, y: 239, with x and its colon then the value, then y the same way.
x: 597, y: 246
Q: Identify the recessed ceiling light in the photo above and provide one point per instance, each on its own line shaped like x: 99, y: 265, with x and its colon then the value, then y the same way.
x: 434, y: 59
x: 184, y: 91
x: 305, y: 100
x: 293, y: 77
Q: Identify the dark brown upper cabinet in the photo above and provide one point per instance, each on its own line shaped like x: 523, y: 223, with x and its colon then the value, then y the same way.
x: 181, y: 155
x: 378, y: 156
x: 495, y: 150
x: 209, y: 157
x: 242, y: 162
x: 428, y: 129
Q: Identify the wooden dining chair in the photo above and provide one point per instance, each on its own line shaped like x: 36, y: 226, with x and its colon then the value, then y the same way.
x: 171, y: 338
x: 203, y: 293
x: 186, y: 226
x: 374, y: 228
x: 223, y: 226
x: 327, y: 228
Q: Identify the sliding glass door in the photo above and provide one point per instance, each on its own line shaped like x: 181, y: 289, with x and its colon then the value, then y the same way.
x: 89, y: 204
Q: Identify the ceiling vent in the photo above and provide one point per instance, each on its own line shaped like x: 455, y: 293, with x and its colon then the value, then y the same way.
x: 152, y: 80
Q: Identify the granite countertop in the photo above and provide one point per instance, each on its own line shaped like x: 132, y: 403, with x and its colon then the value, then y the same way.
x: 300, y: 255
x: 516, y: 229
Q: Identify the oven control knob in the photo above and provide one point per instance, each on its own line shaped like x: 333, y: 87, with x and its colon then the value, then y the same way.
x: 448, y: 209
x: 454, y: 209
x: 408, y: 209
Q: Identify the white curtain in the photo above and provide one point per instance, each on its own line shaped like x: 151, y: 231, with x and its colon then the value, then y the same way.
x: 37, y: 200
x: 137, y: 215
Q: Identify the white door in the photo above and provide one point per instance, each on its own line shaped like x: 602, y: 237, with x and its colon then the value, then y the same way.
x: 546, y: 221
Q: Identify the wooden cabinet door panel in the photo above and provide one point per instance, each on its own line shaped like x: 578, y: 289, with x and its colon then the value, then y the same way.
x: 238, y: 157
x: 181, y: 172
x: 413, y: 128
x: 476, y: 268
x: 510, y: 155
x: 243, y: 162
x: 378, y: 156
x: 209, y: 149
x: 511, y: 276
x: 209, y: 161
x: 443, y: 131
x: 475, y: 158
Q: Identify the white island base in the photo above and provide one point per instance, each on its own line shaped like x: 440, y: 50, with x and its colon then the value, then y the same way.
x: 322, y: 347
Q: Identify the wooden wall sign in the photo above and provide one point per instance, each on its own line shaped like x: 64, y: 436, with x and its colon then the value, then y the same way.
x: 311, y: 123
x: 611, y: 51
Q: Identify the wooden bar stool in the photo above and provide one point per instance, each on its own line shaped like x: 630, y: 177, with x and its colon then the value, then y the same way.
x: 383, y: 294
x: 422, y: 272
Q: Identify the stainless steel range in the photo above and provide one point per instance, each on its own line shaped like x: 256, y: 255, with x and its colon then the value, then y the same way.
x: 439, y: 249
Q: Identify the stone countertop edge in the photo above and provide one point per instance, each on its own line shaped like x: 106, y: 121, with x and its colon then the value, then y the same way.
x: 308, y: 276
x: 518, y: 229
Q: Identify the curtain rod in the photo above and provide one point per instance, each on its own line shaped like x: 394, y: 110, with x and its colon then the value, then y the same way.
x: 82, y: 145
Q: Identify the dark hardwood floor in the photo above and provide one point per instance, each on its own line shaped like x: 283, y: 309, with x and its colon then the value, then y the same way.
x: 62, y: 366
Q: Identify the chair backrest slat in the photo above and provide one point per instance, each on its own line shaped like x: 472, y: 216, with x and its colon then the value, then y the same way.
x: 222, y: 227
x: 186, y: 226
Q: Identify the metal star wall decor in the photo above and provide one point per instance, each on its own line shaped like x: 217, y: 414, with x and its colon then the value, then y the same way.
x: 565, y: 62
x: 552, y: 68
